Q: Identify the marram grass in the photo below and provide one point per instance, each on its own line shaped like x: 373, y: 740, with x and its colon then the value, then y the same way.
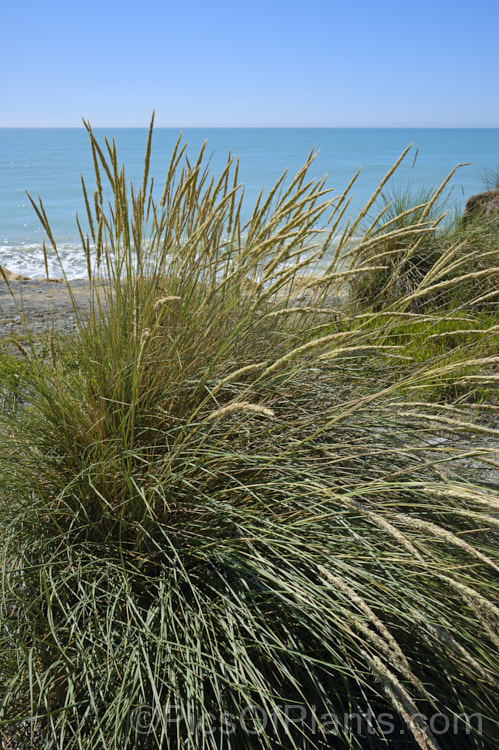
x: 420, y: 259
x: 220, y: 504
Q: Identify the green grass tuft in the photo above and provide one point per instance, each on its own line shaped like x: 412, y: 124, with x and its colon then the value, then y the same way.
x: 220, y: 496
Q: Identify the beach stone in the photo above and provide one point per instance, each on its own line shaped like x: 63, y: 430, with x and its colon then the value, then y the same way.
x: 484, y: 205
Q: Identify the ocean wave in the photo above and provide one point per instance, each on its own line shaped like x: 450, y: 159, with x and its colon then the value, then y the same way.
x: 27, y: 259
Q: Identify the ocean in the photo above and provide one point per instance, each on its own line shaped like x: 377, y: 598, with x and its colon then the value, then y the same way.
x: 48, y: 163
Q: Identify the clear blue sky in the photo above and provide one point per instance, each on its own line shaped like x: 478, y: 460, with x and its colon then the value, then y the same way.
x: 363, y: 63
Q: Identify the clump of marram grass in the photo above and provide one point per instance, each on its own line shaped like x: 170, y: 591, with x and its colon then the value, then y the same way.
x: 436, y: 284
x: 418, y: 259
x: 400, y: 246
x: 209, y: 512
x: 490, y: 178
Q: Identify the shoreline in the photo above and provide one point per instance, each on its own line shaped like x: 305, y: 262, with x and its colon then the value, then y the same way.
x: 39, y: 304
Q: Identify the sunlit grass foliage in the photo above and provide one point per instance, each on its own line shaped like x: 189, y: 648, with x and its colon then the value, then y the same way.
x: 420, y: 258
x: 220, y: 497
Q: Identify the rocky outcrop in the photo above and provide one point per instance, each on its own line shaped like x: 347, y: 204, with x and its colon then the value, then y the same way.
x: 5, y: 274
x: 483, y: 205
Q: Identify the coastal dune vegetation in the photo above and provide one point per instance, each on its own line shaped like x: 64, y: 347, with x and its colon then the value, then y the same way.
x: 258, y: 475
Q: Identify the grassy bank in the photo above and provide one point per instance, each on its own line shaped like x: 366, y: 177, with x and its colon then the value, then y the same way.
x: 228, y: 494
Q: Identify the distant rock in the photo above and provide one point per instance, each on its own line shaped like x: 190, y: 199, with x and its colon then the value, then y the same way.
x: 10, y: 276
x: 6, y: 274
x: 484, y: 205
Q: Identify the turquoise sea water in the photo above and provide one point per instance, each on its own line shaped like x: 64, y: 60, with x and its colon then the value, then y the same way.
x: 48, y: 163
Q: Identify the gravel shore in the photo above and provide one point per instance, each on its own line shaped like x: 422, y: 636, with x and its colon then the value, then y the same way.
x: 40, y: 303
